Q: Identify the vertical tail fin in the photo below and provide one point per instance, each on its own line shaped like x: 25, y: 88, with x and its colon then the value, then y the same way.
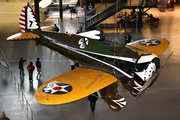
x: 22, y: 20
x: 27, y: 20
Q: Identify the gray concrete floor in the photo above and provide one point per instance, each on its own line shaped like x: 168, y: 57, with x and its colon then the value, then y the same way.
x: 159, y: 102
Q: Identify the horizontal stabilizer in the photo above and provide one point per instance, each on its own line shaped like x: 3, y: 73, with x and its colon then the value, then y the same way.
x: 49, y: 28
x: 23, y: 36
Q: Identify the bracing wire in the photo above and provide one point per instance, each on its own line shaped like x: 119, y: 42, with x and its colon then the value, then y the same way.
x: 137, y: 21
x: 116, y: 22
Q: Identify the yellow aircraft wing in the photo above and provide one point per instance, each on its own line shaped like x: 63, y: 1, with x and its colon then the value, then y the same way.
x: 73, y: 85
x: 155, y: 45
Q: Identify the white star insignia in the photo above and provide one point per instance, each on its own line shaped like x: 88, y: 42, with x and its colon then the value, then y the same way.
x: 83, y: 42
x: 149, y: 42
x: 56, y: 88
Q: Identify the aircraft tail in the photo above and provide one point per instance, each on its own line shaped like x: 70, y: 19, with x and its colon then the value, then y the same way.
x: 28, y: 24
x: 27, y: 20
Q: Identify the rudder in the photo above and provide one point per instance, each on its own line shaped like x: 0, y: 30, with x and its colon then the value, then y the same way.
x: 27, y: 19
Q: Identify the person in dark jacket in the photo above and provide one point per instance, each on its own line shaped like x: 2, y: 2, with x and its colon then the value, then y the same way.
x: 128, y: 38
x: 38, y: 66
x: 21, y: 61
x: 56, y: 29
x: 172, y: 5
x: 30, y: 68
x: 77, y: 32
x: 92, y: 98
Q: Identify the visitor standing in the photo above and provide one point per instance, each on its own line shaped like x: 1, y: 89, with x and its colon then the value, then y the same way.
x: 30, y: 68
x: 21, y: 67
x: 38, y: 66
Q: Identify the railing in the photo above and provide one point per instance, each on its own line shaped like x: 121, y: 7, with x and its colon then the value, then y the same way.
x: 28, y: 107
x: 105, y: 4
x: 99, y: 7
x: 142, y: 2
x: 105, y: 13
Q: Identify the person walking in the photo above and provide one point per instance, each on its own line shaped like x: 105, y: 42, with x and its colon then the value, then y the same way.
x: 38, y: 66
x: 93, y: 98
x: 30, y: 68
x: 21, y: 61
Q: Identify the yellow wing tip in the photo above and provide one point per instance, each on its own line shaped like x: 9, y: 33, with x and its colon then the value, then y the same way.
x: 153, y: 45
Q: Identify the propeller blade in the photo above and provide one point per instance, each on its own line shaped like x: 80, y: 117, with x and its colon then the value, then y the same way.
x: 152, y: 78
x: 166, y: 60
x: 148, y: 83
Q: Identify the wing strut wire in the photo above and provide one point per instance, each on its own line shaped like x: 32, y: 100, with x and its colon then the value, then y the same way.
x: 96, y: 79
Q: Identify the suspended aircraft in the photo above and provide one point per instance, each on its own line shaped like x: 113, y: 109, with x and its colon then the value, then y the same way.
x: 136, y: 65
x: 46, y: 4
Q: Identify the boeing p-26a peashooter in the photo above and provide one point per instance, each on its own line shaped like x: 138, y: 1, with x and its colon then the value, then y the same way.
x: 136, y: 66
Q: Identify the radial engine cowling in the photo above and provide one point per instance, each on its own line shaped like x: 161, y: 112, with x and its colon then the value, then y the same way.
x: 146, y: 66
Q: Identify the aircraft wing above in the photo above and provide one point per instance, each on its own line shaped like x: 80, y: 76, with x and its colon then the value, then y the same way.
x: 155, y: 46
x: 70, y: 3
x: 73, y: 85
x: 51, y: 3
x: 44, y: 3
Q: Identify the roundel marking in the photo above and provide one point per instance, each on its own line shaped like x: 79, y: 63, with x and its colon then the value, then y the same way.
x: 149, y: 42
x: 57, y: 88
x: 83, y: 43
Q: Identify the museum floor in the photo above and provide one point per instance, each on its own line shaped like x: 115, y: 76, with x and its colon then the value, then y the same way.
x: 160, y: 102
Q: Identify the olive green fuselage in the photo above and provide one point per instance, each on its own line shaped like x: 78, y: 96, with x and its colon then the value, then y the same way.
x: 94, y: 54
